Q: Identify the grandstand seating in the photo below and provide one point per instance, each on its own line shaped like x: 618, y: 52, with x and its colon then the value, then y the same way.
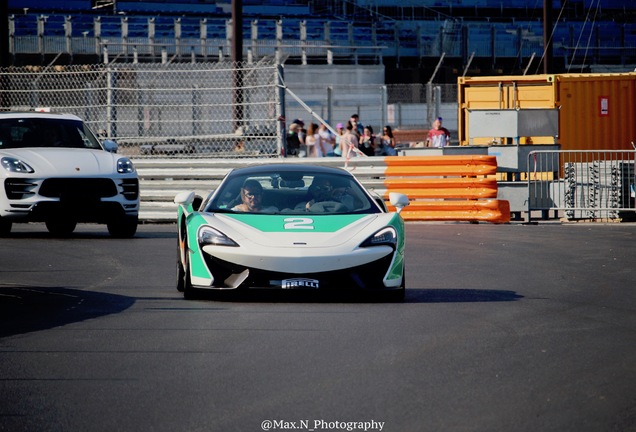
x: 492, y: 29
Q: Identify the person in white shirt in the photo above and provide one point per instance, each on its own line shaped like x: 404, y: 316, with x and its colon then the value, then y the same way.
x: 349, y: 141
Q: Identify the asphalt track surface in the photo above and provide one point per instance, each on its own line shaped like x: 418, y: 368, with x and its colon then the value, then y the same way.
x: 504, y: 328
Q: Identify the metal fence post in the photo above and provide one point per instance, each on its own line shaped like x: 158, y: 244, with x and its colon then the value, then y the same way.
x: 281, y: 130
x: 329, y: 103
x: 384, y: 98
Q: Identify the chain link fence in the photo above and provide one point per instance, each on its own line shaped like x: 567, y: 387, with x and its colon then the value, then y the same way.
x: 200, y: 110
x: 401, y: 106
x: 215, y: 109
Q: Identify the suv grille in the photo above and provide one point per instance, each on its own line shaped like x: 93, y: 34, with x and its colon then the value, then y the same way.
x: 85, y: 187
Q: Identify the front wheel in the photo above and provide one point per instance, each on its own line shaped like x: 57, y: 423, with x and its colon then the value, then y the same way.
x: 181, y: 274
x: 184, y: 284
x: 123, y: 227
x: 5, y: 227
x: 397, y: 296
x: 60, y: 226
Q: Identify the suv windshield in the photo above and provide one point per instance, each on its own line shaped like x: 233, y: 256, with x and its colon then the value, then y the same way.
x: 30, y: 132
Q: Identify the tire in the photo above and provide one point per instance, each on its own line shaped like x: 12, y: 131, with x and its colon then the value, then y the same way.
x: 123, y: 227
x: 181, y: 277
x: 60, y: 226
x: 189, y: 293
x: 184, y: 284
x: 5, y: 227
x: 397, y: 296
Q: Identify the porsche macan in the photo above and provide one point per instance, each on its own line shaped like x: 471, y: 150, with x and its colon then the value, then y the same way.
x: 53, y: 169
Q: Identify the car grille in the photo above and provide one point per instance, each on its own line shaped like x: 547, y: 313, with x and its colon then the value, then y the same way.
x: 85, y: 187
x: 17, y: 188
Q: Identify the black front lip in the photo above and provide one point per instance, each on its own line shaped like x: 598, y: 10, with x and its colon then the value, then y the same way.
x: 367, y: 276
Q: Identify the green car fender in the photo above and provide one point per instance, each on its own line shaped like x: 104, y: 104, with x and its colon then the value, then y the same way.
x: 397, y: 269
x: 199, y: 273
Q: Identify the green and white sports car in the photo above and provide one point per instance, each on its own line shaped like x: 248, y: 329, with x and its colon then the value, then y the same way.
x: 290, y: 226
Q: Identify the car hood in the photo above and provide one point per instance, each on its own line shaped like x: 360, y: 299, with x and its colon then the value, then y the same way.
x: 65, y: 161
x: 294, y: 231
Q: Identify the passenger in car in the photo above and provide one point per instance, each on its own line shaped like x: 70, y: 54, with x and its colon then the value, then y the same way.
x: 252, y: 199
x: 325, y: 198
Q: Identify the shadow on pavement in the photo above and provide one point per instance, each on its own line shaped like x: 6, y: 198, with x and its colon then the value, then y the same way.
x: 25, y: 309
x: 457, y: 295
x: 413, y: 295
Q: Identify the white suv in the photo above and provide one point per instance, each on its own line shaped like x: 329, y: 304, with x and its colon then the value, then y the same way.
x: 54, y: 170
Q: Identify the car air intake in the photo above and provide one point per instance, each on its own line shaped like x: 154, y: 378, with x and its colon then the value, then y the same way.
x: 17, y: 188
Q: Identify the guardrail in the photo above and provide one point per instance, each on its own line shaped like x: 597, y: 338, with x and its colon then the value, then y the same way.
x: 446, y: 188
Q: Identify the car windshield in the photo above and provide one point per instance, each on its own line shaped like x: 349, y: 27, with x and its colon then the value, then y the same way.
x: 288, y: 192
x: 30, y: 132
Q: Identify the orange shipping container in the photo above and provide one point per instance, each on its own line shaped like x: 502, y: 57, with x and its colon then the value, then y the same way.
x: 596, y: 111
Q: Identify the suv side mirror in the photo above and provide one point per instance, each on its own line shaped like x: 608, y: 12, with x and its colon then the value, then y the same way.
x: 110, y: 146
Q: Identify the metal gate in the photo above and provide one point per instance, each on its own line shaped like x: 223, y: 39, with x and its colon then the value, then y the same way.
x: 594, y: 184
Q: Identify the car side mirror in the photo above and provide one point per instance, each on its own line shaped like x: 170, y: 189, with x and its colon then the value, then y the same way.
x: 184, y: 198
x: 110, y: 146
x: 398, y: 200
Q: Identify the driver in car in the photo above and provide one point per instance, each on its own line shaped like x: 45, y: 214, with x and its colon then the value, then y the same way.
x: 252, y: 199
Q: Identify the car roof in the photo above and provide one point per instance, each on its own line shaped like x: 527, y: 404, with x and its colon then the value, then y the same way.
x: 36, y: 114
x: 266, y: 168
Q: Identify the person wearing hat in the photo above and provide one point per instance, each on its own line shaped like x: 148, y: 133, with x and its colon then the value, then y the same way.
x: 438, y: 136
x: 294, y: 140
x: 301, y: 133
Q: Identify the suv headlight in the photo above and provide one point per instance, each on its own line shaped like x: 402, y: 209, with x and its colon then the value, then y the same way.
x: 385, y: 237
x: 125, y: 166
x: 16, y: 165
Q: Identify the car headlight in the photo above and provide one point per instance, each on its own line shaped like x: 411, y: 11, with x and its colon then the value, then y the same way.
x: 209, y: 236
x: 16, y: 165
x: 125, y: 166
x: 385, y: 237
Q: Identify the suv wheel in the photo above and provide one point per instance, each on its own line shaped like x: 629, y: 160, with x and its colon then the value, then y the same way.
x: 123, y: 227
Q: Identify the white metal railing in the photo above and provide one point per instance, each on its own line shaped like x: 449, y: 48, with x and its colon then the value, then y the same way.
x: 583, y: 184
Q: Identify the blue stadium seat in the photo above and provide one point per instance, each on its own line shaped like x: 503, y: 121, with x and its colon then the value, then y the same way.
x: 54, y: 25
x: 26, y: 25
x: 83, y: 25
x: 172, y: 7
x: 436, y: 29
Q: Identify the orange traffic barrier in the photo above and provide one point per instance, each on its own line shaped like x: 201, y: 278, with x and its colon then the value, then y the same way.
x: 496, y: 211
x: 469, y: 165
x: 447, y: 188
x: 455, y: 187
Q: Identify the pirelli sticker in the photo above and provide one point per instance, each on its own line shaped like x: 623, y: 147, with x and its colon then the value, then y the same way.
x: 300, y: 283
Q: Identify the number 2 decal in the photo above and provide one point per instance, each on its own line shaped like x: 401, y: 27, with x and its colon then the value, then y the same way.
x: 299, y: 223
